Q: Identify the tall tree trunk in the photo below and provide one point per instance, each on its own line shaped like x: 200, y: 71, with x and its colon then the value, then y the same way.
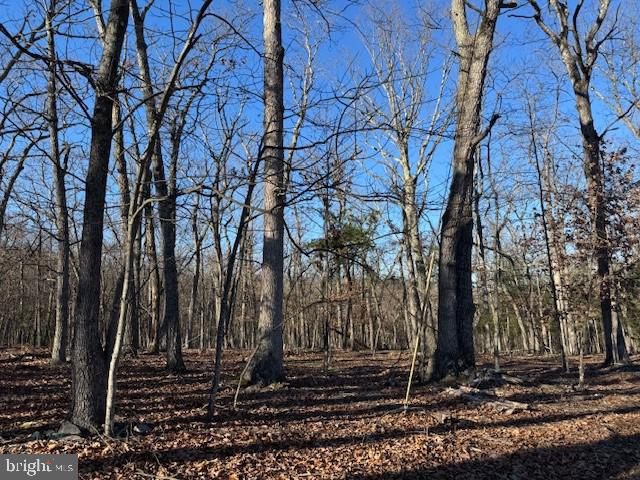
x: 267, y: 364
x: 59, y: 347
x: 615, y: 351
x: 417, y: 270
x: 579, y: 54
x: 133, y: 327
x: 166, y: 207
x: 455, y: 351
x: 552, y: 244
x: 133, y: 217
x: 37, y: 317
x: 489, y: 299
x: 193, y: 302
x: 125, y: 199
x: 123, y: 297
x: 227, y: 294
x: 88, y: 373
x: 154, y: 282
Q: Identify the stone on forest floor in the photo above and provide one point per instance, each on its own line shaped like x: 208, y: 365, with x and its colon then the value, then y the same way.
x: 67, y: 432
x: 63, y: 437
x: 131, y: 427
x: 68, y: 428
x: 34, y: 436
x: 142, y: 428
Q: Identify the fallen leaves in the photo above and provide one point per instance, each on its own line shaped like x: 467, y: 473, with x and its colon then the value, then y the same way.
x: 347, y: 423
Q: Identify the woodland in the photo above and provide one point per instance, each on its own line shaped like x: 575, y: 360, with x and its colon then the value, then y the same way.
x: 321, y: 238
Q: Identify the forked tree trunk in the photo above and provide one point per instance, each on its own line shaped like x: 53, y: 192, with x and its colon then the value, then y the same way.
x: 455, y: 351
x: 579, y: 54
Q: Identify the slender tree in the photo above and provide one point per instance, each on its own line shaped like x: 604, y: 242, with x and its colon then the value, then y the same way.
x: 59, y: 347
x: 579, y: 55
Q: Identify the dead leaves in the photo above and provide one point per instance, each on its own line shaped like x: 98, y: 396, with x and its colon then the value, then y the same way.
x: 345, y: 424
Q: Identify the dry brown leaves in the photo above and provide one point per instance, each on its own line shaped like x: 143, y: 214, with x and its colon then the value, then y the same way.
x: 346, y: 423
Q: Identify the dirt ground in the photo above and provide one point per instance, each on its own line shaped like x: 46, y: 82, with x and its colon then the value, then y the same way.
x: 345, y: 423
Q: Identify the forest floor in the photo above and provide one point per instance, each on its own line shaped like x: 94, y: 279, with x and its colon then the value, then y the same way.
x: 344, y: 423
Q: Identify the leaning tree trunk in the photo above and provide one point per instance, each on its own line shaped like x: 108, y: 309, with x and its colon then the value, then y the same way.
x: 88, y: 373
x: 455, y: 351
x: 125, y: 199
x: 228, y: 293
x: 267, y: 364
x: 418, y: 292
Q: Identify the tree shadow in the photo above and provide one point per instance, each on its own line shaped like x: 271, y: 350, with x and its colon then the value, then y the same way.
x: 211, y: 452
x: 616, y: 457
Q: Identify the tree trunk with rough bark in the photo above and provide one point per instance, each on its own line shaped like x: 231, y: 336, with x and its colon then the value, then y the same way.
x: 154, y: 282
x: 193, y: 302
x: 267, y: 364
x: 59, y: 347
x: 88, y: 373
x: 579, y: 54
x: 455, y: 351
x: 166, y: 207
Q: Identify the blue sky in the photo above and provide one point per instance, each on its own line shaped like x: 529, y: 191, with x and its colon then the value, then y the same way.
x: 523, y: 57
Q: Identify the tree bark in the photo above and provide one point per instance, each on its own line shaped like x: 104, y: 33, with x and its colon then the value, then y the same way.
x: 166, y: 207
x: 88, y: 373
x: 193, y: 302
x: 267, y: 364
x: 59, y: 346
x: 579, y: 64
x: 455, y: 350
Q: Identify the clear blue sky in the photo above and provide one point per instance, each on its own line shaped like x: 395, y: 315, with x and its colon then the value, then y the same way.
x: 524, y: 58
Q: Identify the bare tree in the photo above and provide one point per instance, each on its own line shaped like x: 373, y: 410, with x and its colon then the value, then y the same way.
x: 403, y: 76
x: 455, y: 350
x: 622, y: 70
x: 60, y: 164
x: 193, y: 300
x: 579, y: 54
x: 88, y: 376
x: 555, y: 245
x: 137, y: 205
x: 267, y: 364
x: 165, y: 190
